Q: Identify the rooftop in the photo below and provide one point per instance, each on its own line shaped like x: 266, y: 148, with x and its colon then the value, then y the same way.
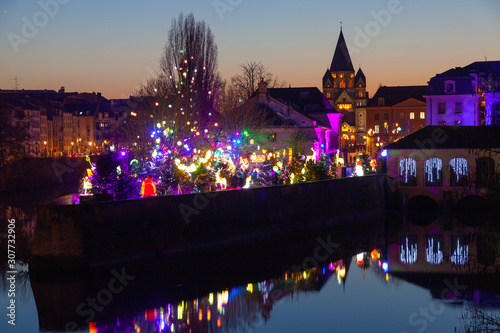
x: 450, y: 137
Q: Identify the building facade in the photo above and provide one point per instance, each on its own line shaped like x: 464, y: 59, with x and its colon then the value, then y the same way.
x: 299, y: 119
x: 468, y: 96
x: 445, y: 163
x: 392, y: 113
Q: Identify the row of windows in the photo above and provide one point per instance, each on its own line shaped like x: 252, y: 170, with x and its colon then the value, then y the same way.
x: 459, y: 251
x: 459, y: 171
x: 412, y: 115
x: 442, y: 107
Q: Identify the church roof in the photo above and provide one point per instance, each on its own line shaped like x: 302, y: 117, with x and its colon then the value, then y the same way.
x: 341, y: 61
x: 360, y: 75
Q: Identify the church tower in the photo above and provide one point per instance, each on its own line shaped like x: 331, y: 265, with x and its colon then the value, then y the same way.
x: 346, y: 91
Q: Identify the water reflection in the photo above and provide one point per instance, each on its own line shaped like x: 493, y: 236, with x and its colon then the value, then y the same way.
x: 244, y: 288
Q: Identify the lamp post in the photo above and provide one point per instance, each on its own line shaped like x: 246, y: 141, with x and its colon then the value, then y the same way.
x: 90, y: 147
x: 45, y: 144
x: 72, y: 144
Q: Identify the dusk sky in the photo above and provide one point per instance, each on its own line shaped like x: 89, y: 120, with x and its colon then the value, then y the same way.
x: 112, y: 46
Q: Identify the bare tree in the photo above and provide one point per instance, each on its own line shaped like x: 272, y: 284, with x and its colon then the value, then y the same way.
x: 177, y: 110
x: 245, y: 83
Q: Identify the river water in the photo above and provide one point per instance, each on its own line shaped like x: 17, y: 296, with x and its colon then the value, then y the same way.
x: 393, y: 274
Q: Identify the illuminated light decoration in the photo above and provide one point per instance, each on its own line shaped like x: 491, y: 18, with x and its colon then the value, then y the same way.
x: 92, y: 327
x: 219, y: 323
x: 292, y: 178
x: 172, y: 327
x: 200, y: 315
x: 244, y: 163
x: 460, y: 254
x: 458, y: 170
x: 433, y: 171
x: 123, y: 153
x: 250, y: 288
x: 276, y: 169
x: 340, y: 270
x: 407, y: 171
x: 211, y: 298
x: 373, y: 254
x: 180, y: 308
x: 119, y: 170
x: 384, y: 153
x: 359, y: 169
x: 248, y: 181
x: 408, y: 249
x: 385, y: 267
x: 209, y: 314
x: 434, y: 250
x: 387, y: 277
x: 359, y: 258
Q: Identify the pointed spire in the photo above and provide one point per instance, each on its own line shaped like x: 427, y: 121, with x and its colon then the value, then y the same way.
x: 341, y: 61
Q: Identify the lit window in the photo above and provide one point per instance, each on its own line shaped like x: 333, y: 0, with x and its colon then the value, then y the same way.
x: 434, y: 249
x: 360, y: 94
x: 328, y: 95
x: 458, y: 171
x: 412, y: 115
x: 334, y: 75
x: 344, y: 106
x: 351, y: 84
x: 408, y: 249
x: 342, y: 84
x: 459, y: 250
x: 434, y: 172
x: 377, y: 129
x: 341, y: 75
x: 407, y: 171
x: 352, y: 75
x: 422, y: 115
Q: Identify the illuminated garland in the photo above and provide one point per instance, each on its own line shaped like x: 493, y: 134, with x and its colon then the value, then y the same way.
x: 434, y: 251
x: 407, y: 167
x: 408, y: 254
x: 460, y: 254
x: 431, y: 165
x: 459, y: 167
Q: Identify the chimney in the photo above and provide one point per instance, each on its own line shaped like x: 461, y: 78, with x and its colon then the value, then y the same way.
x: 262, y: 88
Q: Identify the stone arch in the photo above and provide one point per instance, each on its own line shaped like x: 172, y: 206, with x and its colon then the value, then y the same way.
x: 472, y: 210
x: 422, y: 210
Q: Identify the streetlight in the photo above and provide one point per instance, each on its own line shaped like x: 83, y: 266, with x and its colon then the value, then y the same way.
x: 45, y: 143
